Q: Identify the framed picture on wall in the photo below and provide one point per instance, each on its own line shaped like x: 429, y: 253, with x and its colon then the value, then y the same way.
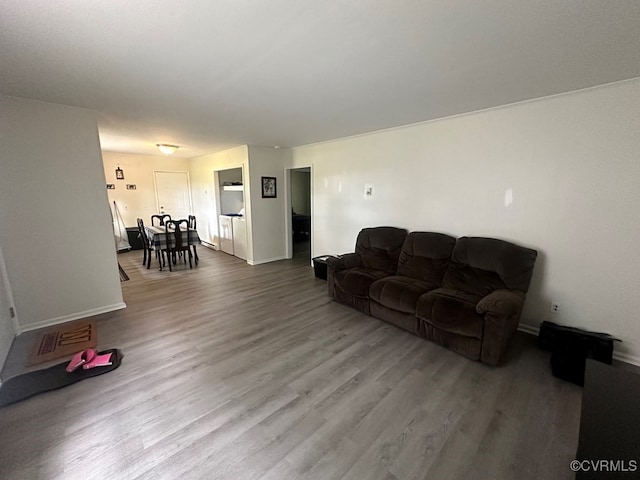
x: 269, y: 187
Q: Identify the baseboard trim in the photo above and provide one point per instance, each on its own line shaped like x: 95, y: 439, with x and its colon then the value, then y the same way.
x: 212, y: 246
x: 621, y: 357
x: 627, y: 358
x: 266, y: 260
x: 531, y: 330
x: 74, y: 316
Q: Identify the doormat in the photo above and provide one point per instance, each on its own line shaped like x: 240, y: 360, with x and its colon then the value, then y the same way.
x: 63, y: 341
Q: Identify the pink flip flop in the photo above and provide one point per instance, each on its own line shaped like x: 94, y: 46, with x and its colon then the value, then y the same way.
x: 98, y: 361
x: 81, y: 358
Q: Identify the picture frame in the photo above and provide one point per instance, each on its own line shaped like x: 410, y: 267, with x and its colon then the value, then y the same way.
x: 269, y: 187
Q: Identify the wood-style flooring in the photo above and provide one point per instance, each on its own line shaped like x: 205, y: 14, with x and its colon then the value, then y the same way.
x: 233, y: 371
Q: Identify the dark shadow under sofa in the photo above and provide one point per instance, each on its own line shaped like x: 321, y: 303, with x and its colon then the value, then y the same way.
x: 464, y: 293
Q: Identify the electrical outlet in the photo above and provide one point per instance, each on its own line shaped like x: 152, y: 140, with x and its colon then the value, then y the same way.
x: 554, y: 308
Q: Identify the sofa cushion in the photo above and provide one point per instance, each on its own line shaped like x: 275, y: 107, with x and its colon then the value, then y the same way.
x: 379, y: 248
x: 425, y: 256
x: 357, y: 280
x: 482, y: 265
x: 476, y: 281
x: 399, y: 293
x: 452, y: 311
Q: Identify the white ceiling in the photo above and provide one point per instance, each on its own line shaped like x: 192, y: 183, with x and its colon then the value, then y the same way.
x: 212, y: 74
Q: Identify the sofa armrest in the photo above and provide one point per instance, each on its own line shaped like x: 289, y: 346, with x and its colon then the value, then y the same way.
x: 337, y: 264
x: 506, y: 302
x: 501, y: 310
x: 344, y: 262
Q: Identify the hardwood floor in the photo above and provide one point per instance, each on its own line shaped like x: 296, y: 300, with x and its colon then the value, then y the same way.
x: 239, y: 372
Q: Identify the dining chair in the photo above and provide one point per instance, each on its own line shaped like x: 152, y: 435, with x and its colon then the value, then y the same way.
x: 175, y: 243
x: 193, y: 226
x: 146, y: 243
x: 162, y: 218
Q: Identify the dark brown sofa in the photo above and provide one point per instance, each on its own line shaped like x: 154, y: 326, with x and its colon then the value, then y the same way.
x: 466, y: 294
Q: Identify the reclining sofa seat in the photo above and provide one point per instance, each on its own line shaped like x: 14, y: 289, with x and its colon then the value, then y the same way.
x: 477, y: 310
x: 465, y: 294
x: 421, y: 267
x: 376, y: 256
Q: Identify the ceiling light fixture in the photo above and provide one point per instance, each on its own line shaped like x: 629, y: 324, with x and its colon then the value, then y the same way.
x: 167, y: 149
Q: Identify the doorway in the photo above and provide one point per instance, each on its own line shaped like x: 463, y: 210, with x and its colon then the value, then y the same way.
x: 8, y: 322
x: 231, y: 213
x: 300, y: 196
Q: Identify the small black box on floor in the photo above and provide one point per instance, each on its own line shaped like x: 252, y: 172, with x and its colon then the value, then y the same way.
x: 134, y: 240
x: 570, y: 347
x: 320, y: 266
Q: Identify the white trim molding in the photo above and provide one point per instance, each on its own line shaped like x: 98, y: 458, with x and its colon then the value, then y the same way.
x: 74, y: 316
x: 267, y: 260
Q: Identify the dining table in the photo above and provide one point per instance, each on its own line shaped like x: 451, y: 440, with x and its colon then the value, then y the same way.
x: 158, y: 238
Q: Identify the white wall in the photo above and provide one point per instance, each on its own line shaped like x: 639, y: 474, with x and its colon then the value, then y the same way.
x: 560, y: 175
x: 203, y: 195
x: 56, y: 233
x: 267, y: 214
x: 139, y: 171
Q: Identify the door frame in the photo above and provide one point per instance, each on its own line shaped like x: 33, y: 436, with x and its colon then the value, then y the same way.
x: 7, y: 286
x: 15, y: 325
x: 217, y: 209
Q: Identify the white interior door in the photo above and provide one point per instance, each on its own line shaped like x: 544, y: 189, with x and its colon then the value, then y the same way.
x: 173, y: 193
